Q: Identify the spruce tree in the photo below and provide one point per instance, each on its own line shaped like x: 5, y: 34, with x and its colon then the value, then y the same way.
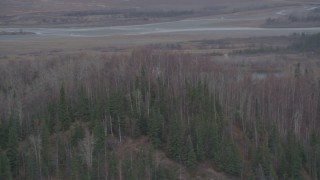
x: 143, y: 83
x: 31, y: 164
x: 314, y: 156
x: 113, y: 167
x: 84, y: 105
x: 155, y: 128
x: 142, y: 122
x: 297, y: 71
x: 76, y: 166
x: 5, y: 172
x: 191, y: 159
x: 128, y: 174
x: 292, y: 158
x: 232, y: 159
x: 200, y: 142
x: 214, y: 142
x: 12, y: 149
x: 98, y: 132
x: 273, y: 140
x: 99, y: 145
x: 63, y: 113
x: 45, y: 135
x: 174, y: 141
x: 3, y: 136
x: 52, y: 116
x: 77, y: 134
x: 115, y: 104
x: 263, y: 160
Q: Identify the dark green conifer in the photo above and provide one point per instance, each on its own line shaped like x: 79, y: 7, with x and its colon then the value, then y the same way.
x: 3, y: 136
x: 45, y: 146
x: 12, y: 149
x: 63, y: 113
x: 5, y: 172
x: 232, y: 159
x: 113, y: 167
x: 191, y: 159
x: 155, y: 128
x: 174, y: 141
x: 98, y: 132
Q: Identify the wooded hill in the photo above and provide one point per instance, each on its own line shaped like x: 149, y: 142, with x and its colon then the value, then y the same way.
x: 155, y: 115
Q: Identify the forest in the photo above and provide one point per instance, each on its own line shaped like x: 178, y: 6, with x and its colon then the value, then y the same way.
x: 155, y: 115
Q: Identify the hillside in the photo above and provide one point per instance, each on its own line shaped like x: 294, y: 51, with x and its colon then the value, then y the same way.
x: 155, y: 115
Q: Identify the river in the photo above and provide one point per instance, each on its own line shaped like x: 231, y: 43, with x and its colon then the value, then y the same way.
x: 190, y: 26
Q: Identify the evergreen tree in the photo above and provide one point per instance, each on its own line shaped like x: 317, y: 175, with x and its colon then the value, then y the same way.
x: 263, y: 160
x: 115, y: 108
x: 232, y: 163
x: 214, y: 143
x: 84, y: 105
x: 63, y: 113
x: 297, y: 164
x: 98, y: 149
x: 314, y: 156
x: 165, y: 173
x: 143, y: 123
x: 140, y: 164
x: 115, y: 104
x: 76, y: 166
x: 45, y: 135
x: 113, y: 167
x: 297, y: 71
x: 199, y: 141
x: 31, y: 164
x: 128, y: 174
x: 52, y: 115
x: 3, y: 136
x: 273, y: 140
x: 174, y: 141
x: 155, y: 128
x: 12, y: 149
x: 292, y: 158
x: 143, y: 83
x: 191, y: 159
x: 62, y: 155
x: 98, y: 133
x: 5, y: 172
x: 77, y: 134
